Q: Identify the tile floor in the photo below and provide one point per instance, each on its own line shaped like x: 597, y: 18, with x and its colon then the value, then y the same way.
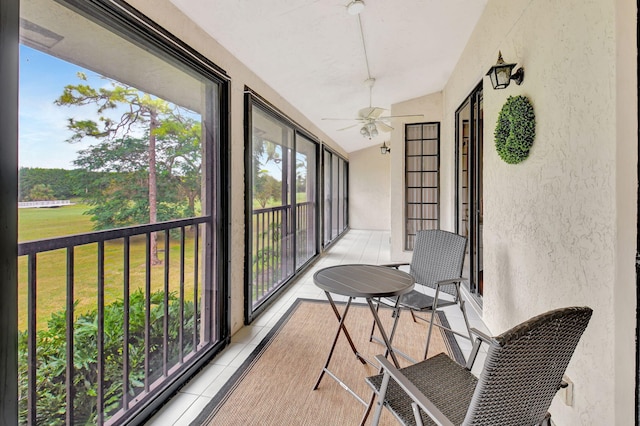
x: 354, y: 247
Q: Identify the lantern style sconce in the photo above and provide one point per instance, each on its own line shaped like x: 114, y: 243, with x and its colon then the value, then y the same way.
x: 500, y: 74
x: 384, y: 148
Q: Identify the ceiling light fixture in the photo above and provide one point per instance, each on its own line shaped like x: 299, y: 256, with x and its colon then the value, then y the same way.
x: 355, y: 7
x: 369, y: 130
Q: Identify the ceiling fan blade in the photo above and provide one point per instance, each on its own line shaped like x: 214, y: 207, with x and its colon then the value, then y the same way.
x: 349, y: 127
x: 398, y: 116
x: 383, y: 126
x: 370, y: 112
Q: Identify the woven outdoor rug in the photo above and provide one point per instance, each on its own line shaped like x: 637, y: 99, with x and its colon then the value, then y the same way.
x: 275, y: 385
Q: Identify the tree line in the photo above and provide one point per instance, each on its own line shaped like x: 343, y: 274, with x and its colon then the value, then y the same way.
x: 40, y: 184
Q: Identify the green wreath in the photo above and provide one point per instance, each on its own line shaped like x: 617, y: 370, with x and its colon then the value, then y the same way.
x: 515, y: 129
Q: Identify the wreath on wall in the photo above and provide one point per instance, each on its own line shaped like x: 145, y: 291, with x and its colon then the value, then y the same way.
x: 515, y: 129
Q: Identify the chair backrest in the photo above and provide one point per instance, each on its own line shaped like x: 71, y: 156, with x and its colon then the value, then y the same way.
x: 437, y: 255
x: 524, y: 368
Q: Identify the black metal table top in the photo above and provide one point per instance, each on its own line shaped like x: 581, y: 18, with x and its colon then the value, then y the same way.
x: 364, y: 281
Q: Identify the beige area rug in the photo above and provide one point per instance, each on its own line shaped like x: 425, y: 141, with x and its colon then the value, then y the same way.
x: 275, y: 385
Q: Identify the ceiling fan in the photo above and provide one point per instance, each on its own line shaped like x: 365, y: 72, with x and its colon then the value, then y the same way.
x: 371, y: 119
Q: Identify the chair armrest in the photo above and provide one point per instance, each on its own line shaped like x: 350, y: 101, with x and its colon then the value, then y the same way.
x: 414, y: 393
x: 451, y: 281
x: 480, y: 338
x: 395, y: 265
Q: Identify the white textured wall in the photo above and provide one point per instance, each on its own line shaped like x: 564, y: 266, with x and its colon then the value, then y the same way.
x: 168, y: 16
x: 560, y: 227
x: 369, y: 189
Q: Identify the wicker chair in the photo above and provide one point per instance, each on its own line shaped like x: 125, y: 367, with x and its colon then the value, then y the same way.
x: 522, y: 373
x: 437, y: 262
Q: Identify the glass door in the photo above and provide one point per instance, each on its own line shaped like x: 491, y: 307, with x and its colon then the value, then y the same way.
x: 469, y: 211
x: 282, y: 225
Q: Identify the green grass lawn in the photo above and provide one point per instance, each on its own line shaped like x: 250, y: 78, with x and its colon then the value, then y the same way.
x: 36, y: 224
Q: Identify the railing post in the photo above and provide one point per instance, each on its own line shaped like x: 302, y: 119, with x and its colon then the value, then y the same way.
x: 32, y: 340
x: 125, y: 323
x: 70, y: 372
x: 100, y: 379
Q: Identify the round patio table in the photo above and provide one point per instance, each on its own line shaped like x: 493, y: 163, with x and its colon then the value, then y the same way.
x: 366, y: 281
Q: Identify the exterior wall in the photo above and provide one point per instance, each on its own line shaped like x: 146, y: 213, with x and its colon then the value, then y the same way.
x: 431, y: 108
x: 626, y: 140
x: 168, y: 16
x: 369, y: 189
x: 560, y: 227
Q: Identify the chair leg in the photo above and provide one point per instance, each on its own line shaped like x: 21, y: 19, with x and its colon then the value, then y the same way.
x: 413, y: 315
x: 368, y: 410
x: 416, y: 414
x: 433, y: 314
x: 464, y: 311
x: 381, y: 395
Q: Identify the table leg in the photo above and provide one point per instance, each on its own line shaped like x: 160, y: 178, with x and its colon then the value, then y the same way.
x: 341, y: 328
x: 387, y: 343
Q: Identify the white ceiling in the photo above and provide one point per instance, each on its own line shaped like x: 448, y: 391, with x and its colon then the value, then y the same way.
x: 311, y: 51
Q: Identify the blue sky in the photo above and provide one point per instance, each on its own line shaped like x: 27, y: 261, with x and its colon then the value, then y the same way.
x: 43, y: 125
x: 43, y: 130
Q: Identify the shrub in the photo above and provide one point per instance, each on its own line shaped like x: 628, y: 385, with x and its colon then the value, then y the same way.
x: 51, y: 357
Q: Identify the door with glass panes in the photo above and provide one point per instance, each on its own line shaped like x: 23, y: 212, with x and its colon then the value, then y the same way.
x: 469, y: 212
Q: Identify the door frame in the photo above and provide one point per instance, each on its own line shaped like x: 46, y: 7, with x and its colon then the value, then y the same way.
x: 475, y: 153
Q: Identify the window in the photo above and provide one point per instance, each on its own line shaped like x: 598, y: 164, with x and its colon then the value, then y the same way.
x: 135, y: 298
x: 422, y: 179
x: 335, y: 196
x: 282, y: 225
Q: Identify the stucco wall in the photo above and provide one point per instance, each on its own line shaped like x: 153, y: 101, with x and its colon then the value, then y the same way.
x: 369, y: 189
x: 168, y: 16
x: 560, y: 227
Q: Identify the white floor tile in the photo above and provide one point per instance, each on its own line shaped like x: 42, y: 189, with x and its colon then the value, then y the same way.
x: 203, y: 380
x: 193, y: 411
x: 172, y: 411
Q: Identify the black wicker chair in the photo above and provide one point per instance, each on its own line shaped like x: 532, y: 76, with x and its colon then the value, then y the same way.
x: 522, y: 373
x: 437, y: 262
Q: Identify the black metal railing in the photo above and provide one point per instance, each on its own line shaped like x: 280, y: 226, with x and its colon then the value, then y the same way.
x: 273, y: 246
x: 113, y: 358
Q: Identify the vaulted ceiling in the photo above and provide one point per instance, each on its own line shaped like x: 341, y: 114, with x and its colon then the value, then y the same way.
x: 318, y: 56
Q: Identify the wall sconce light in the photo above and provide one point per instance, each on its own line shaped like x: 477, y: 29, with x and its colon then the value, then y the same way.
x: 384, y: 148
x: 500, y: 74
